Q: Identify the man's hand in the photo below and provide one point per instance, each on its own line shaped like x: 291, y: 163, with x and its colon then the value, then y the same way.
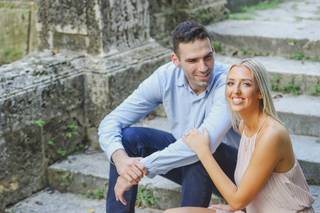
x: 129, y: 168
x: 120, y: 188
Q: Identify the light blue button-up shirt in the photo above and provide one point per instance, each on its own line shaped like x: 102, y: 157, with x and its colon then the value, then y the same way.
x: 185, y: 110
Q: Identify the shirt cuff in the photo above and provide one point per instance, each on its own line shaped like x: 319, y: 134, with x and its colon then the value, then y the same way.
x: 147, y: 162
x: 112, y: 148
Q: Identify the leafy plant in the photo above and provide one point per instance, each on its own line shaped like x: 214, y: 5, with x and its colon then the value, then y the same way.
x: 217, y: 46
x: 292, y: 88
x: 316, y: 90
x: 96, y: 194
x: 72, y: 130
x: 62, y: 152
x: 39, y: 122
x: 51, y: 142
x: 145, y: 198
x: 297, y: 56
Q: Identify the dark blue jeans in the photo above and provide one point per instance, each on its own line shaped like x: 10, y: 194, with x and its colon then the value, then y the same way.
x: 197, y: 186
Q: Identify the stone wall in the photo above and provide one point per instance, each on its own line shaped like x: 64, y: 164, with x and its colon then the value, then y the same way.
x: 41, y: 121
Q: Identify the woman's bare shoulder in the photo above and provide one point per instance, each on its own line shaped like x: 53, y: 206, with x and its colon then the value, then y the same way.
x: 274, y: 133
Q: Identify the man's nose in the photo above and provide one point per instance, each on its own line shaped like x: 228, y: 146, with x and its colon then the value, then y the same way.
x: 203, y: 67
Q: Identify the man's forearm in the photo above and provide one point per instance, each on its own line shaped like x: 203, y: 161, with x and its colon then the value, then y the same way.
x: 119, y: 155
x: 176, y: 155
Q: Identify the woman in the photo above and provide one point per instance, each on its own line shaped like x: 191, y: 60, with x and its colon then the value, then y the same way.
x: 268, y: 177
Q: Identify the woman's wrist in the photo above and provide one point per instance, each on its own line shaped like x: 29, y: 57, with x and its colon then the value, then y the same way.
x: 202, y: 153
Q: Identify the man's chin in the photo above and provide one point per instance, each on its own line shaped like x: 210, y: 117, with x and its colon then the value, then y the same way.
x: 203, y: 83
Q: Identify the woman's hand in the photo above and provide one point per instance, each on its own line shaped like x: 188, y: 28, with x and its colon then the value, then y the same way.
x: 198, y: 141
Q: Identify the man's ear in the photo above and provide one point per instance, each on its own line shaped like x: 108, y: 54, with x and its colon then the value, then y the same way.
x: 175, y: 59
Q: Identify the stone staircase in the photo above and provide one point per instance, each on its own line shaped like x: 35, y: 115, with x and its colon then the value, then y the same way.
x: 275, y: 37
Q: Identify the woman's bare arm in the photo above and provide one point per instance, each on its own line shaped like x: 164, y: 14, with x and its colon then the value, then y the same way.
x: 265, y: 158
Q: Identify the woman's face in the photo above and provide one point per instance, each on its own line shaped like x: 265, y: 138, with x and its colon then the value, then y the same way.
x: 242, y: 91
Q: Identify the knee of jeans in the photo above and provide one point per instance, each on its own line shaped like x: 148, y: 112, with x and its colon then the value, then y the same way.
x: 196, y: 169
x: 130, y: 139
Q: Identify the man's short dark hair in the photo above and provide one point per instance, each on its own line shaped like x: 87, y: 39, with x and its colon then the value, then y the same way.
x: 188, y: 31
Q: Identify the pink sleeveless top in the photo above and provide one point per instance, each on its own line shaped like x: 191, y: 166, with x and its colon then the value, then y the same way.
x: 286, y: 192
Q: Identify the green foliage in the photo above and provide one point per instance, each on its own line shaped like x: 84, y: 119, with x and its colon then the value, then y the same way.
x: 292, y: 88
x: 10, y: 54
x: 297, y: 56
x: 65, y: 179
x: 39, y: 122
x: 217, y: 46
x: 62, y: 152
x: 145, y: 198
x: 51, y: 142
x: 291, y: 42
x: 96, y: 194
x: 72, y: 130
x: 316, y: 90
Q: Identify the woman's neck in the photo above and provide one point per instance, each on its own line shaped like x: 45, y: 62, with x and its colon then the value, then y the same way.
x: 252, y: 120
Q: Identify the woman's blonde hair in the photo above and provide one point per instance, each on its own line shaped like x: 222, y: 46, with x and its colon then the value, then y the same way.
x: 260, y: 75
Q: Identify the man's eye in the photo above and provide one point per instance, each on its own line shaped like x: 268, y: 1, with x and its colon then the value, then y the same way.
x: 209, y: 57
x: 229, y: 83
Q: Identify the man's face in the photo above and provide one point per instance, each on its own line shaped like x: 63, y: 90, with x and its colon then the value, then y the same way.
x: 196, y: 60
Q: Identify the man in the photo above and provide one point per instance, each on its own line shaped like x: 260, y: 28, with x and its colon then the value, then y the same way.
x: 191, y: 89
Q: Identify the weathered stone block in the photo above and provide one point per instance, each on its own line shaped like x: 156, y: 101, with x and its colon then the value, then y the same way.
x: 125, y: 24
x: 72, y: 25
x: 116, y: 76
x: 42, y: 120
x: 69, y: 41
x: 23, y: 164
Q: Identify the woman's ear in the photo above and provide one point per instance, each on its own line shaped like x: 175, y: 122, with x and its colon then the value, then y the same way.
x: 175, y: 59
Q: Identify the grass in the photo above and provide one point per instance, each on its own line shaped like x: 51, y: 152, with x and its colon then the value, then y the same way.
x: 249, y: 12
x: 10, y: 54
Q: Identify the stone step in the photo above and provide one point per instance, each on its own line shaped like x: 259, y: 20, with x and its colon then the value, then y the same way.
x: 300, y: 114
x: 288, y: 76
x: 86, y: 174
x: 48, y: 201
x: 292, y: 30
